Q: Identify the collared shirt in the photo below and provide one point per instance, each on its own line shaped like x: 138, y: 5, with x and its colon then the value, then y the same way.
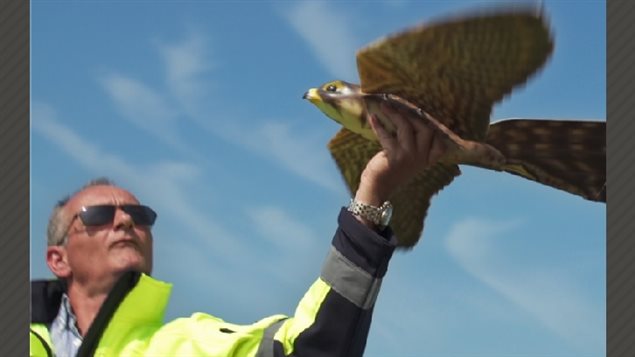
x: 65, y: 336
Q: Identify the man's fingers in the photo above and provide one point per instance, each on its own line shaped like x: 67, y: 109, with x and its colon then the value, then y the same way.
x: 405, y: 131
x: 421, y: 127
x: 424, y: 134
x: 417, y: 143
x: 386, y: 140
x: 437, y: 150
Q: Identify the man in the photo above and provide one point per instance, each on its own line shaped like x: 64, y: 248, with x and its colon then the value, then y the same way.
x: 106, y: 304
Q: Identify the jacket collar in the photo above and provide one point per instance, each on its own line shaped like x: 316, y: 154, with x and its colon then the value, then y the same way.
x: 136, y: 296
x: 46, y: 296
x: 136, y: 299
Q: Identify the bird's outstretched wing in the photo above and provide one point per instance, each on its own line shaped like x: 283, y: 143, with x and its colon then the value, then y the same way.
x: 456, y: 69
x: 565, y: 154
x: 411, y: 201
x: 351, y: 153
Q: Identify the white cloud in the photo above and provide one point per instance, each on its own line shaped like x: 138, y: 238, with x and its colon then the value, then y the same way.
x: 148, y: 109
x: 327, y: 31
x: 169, y: 178
x: 548, y: 295
x: 211, y: 250
x: 293, y: 242
x: 280, y: 228
x: 186, y: 61
x: 140, y: 104
x: 299, y: 153
x: 408, y: 309
x: 44, y: 121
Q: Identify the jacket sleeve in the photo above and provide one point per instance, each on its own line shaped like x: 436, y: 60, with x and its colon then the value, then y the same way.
x: 333, y: 318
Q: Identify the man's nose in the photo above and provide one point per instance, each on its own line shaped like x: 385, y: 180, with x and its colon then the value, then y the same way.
x: 122, y: 219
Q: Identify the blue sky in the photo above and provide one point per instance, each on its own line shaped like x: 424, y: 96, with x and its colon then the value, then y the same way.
x: 196, y: 107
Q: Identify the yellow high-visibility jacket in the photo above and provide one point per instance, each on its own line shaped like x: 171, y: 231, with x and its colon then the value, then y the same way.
x: 332, y: 319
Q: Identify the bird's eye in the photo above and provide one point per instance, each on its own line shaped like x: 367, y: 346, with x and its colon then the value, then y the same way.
x: 331, y: 88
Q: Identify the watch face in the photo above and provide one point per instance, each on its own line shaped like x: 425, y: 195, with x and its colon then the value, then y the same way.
x: 386, y: 214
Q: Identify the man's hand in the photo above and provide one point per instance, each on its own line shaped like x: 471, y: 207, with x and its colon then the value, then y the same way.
x: 412, y: 148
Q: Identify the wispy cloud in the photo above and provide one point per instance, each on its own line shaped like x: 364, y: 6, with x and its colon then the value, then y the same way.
x: 281, y: 229
x: 326, y: 29
x: 186, y: 62
x: 167, y: 177
x: 140, y: 104
x: 299, y: 152
x: 148, y: 109
x: 548, y: 295
x: 394, y: 321
x: 293, y: 245
x: 211, y: 249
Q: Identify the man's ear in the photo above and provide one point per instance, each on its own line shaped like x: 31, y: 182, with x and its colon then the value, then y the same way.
x: 57, y: 261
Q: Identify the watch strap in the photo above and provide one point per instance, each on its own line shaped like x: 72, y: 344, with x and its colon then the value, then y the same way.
x: 366, y: 211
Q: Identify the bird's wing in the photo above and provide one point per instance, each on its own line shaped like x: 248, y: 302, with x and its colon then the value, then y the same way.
x: 410, y: 202
x: 565, y: 154
x: 458, y: 68
x: 351, y: 153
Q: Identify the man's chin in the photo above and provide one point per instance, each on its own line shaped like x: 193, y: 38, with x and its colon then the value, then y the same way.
x: 133, y: 263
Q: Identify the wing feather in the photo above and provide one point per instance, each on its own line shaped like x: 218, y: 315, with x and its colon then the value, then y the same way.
x: 457, y: 69
x: 352, y: 152
x: 566, y: 154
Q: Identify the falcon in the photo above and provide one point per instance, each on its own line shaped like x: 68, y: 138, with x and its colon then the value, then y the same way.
x: 450, y: 73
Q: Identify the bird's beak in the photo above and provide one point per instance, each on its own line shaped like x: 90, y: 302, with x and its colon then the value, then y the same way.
x: 312, y: 96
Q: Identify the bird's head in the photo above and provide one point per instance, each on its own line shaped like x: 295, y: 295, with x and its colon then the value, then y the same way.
x: 340, y: 101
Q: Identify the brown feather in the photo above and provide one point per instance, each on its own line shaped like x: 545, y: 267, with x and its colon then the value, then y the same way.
x: 352, y: 152
x: 456, y: 70
x: 450, y: 74
x: 565, y: 154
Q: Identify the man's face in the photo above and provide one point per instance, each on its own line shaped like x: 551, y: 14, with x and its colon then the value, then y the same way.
x: 101, y: 252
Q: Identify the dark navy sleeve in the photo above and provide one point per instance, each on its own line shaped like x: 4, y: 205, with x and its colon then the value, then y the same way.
x: 340, y: 303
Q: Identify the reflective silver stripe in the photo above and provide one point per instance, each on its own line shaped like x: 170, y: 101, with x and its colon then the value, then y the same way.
x: 349, y: 280
x: 266, y: 344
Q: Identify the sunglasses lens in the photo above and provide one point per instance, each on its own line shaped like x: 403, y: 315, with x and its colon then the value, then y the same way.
x: 97, y: 215
x: 104, y: 214
x: 141, y: 215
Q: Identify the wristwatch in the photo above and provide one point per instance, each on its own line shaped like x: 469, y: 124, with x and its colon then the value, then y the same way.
x: 377, y: 215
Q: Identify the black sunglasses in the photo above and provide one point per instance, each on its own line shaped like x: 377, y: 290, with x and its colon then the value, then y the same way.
x: 100, y: 215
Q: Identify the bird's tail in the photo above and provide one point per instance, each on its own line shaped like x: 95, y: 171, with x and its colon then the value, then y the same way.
x: 565, y: 154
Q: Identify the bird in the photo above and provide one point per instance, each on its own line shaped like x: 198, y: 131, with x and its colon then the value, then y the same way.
x: 450, y: 73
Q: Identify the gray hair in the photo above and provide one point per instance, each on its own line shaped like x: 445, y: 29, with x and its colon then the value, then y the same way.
x: 57, y: 231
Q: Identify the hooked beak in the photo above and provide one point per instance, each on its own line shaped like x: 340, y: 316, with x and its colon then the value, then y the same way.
x: 312, y: 96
